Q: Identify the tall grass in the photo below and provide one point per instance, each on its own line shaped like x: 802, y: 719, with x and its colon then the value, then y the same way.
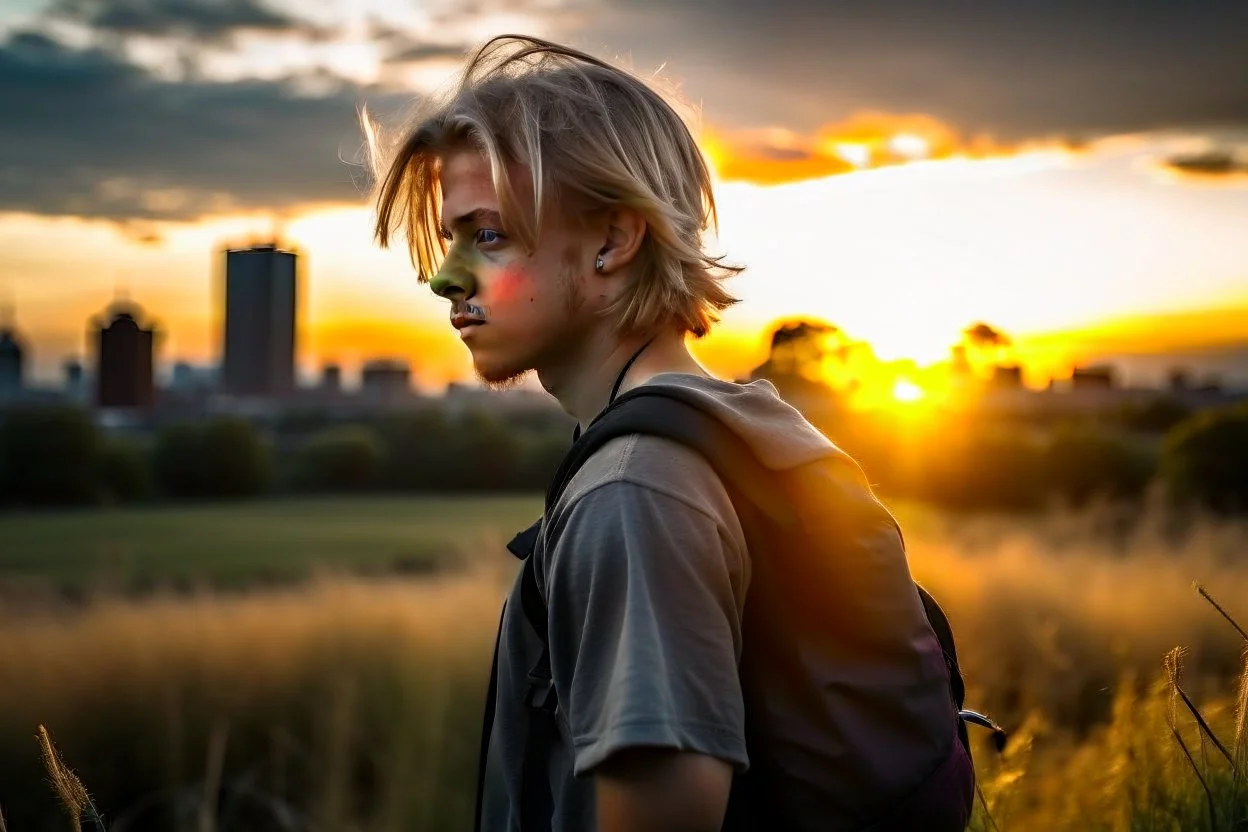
x: 345, y: 705
x: 353, y: 704
x: 1161, y: 764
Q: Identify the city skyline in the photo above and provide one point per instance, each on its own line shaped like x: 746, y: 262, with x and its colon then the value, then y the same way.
x: 314, y: 371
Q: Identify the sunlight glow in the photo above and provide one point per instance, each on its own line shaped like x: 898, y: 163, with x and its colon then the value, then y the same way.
x: 906, y: 391
x: 858, y: 155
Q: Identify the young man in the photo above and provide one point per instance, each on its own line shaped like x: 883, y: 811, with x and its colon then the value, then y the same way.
x: 559, y: 204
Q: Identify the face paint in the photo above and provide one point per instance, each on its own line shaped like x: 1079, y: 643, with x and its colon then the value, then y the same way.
x: 456, y: 274
x: 509, y: 284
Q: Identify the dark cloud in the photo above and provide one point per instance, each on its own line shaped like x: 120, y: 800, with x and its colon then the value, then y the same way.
x: 413, y: 51
x: 205, y: 20
x: 1210, y: 164
x: 88, y: 134
x: 85, y: 132
x: 1017, y: 70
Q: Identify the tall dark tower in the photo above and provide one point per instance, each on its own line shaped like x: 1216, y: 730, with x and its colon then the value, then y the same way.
x: 12, y: 356
x: 261, y: 301
x: 124, y: 372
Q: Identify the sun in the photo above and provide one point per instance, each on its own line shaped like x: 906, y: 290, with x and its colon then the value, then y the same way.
x: 906, y: 391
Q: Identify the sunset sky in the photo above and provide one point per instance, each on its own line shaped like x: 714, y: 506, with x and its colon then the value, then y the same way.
x: 1075, y: 175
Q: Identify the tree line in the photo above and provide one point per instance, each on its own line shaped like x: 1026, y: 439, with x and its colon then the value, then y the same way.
x: 52, y: 456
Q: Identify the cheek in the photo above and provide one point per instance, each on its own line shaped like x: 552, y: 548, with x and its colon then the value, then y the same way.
x: 513, y: 284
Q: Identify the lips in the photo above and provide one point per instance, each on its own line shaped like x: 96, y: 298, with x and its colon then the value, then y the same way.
x: 462, y: 321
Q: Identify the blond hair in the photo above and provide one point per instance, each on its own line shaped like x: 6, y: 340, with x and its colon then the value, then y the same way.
x: 592, y: 137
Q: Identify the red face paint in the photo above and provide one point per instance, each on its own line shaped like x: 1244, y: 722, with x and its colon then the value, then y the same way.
x: 510, y: 283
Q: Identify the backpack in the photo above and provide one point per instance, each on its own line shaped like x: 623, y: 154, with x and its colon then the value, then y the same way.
x: 778, y: 792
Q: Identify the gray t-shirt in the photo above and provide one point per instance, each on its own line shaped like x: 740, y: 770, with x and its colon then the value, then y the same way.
x: 645, y: 579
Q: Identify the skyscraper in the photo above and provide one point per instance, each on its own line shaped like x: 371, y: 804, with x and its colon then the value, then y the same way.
x: 12, y: 355
x: 261, y: 298
x: 12, y: 362
x: 124, y: 373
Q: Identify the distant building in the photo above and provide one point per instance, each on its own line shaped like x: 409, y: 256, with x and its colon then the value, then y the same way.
x: 73, y: 378
x: 187, y: 377
x: 183, y: 377
x: 12, y: 363
x: 386, y: 378
x: 261, y: 301
x: 331, y: 378
x: 1007, y: 377
x: 124, y: 361
x: 1093, y: 378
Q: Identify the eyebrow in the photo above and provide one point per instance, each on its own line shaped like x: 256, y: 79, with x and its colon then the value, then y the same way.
x: 474, y: 217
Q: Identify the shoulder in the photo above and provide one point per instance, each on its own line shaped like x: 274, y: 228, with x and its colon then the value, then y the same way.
x: 656, y: 465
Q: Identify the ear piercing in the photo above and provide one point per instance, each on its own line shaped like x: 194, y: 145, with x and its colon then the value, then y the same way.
x: 599, y: 265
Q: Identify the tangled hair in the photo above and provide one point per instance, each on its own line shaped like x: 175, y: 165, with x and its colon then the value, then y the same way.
x: 592, y: 137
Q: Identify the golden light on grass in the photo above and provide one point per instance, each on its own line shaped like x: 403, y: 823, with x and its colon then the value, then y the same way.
x: 1056, y: 631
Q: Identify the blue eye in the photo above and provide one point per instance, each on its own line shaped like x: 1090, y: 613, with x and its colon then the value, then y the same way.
x: 486, y: 236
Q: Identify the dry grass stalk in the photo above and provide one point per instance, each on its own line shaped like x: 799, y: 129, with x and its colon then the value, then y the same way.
x: 1241, y: 710
x: 212, y: 781
x: 68, y: 787
x: 1204, y: 593
x: 1172, y: 665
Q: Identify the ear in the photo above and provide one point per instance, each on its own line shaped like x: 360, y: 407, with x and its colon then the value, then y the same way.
x: 625, y: 231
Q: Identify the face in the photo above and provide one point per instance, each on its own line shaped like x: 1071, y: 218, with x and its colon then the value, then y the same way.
x: 515, y: 311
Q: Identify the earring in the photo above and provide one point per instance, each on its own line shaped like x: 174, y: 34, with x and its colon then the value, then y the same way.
x: 599, y: 265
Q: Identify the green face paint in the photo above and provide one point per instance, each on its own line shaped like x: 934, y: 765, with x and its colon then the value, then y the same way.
x: 456, y: 274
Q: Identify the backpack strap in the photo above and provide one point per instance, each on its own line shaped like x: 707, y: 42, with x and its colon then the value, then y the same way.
x: 646, y: 410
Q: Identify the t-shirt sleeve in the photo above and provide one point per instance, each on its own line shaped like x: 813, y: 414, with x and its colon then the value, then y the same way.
x: 643, y: 594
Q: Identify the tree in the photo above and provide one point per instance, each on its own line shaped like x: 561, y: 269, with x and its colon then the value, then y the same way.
x: 419, y: 450
x: 1205, y: 459
x: 339, y: 459
x: 236, y: 461
x: 1084, y: 463
x: 48, y: 456
x: 984, y: 344
x: 123, y: 471
x: 225, y: 458
x: 175, y: 461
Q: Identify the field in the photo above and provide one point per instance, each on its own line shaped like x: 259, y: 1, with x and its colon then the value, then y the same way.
x: 245, y: 543
x: 351, y: 700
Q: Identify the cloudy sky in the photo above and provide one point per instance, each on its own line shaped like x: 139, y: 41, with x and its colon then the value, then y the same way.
x: 1074, y: 172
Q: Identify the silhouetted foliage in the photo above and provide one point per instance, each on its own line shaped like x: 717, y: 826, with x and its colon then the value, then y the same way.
x: 48, y: 456
x: 992, y: 470
x: 1206, y: 459
x: 236, y: 461
x: 486, y: 454
x: 123, y: 471
x: 1082, y: 464
x: 418, y: 450
x: 345, y: 458
x: 175, y: 461
x: 224, y: 458
x: 1157, y: 415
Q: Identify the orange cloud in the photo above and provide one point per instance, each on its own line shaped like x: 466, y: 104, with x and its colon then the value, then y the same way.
x: 867, y: 140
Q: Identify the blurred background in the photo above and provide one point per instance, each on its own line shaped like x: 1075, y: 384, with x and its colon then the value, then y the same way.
x: 253, y: 502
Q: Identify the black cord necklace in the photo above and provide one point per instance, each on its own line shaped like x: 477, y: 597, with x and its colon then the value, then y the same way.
x: 619, y: 382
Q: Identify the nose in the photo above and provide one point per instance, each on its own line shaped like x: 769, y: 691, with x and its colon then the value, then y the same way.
x: 453, y: 281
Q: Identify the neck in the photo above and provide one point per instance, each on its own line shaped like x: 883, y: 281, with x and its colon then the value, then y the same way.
x: 583, y: 388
